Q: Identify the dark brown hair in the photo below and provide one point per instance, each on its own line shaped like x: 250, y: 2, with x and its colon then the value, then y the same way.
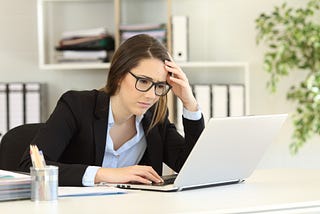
x: 127, y: 57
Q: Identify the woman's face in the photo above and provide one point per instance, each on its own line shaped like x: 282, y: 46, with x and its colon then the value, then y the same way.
x: 135, y: 101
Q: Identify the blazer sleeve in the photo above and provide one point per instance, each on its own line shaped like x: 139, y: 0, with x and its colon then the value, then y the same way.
x: 54, y: 139
x: 178, y: 148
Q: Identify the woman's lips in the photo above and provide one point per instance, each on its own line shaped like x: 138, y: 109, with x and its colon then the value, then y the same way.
x: 144, y: 105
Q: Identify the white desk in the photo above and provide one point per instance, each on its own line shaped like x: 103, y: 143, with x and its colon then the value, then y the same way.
x: 266, y: 191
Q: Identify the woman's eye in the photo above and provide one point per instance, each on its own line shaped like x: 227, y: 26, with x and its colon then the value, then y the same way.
x: 161, y: 86
x: 144, y: 81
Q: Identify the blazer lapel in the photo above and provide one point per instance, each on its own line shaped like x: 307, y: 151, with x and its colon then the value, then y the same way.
x: 100, y: 126
x: 154, y: 151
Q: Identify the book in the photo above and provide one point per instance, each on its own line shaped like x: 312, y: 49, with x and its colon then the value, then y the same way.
x: 14, y: 186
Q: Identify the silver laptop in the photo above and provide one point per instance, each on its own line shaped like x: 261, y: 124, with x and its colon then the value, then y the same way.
x: 227, y: 152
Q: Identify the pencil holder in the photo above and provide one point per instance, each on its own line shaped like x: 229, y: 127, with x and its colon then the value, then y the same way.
x: 44, y: 184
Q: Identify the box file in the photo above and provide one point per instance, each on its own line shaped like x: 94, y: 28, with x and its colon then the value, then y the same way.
x: 3, y: 109
x: 219, y: 100
x: 180, y: 38
x: 16, y: 105
x: 32, y: 103
x: 179, y: 112
x: 21, y: 103
x: 236, y: 100
x: 203, y: 97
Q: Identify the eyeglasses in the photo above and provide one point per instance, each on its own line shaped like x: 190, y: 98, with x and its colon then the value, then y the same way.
x: 144, y: 84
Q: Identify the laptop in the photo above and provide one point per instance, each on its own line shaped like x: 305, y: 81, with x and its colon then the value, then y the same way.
x: 227, y: 152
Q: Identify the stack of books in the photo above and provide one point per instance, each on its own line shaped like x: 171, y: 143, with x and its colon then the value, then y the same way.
x: 89, y: 45
x: 157, y: 31
x: 14, y: 186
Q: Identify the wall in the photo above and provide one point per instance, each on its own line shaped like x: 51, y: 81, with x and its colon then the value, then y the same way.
x: 219, y: 30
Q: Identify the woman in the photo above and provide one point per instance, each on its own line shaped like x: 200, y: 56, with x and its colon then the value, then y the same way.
x: 122, y: 132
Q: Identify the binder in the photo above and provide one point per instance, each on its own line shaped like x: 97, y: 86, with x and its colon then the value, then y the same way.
x: 3, y: 109
x: 179, y: 112
x: 219, y: 100
x: 32, y: 103
x: 16, y: 105
x: 203, y: 97
x: 236, y: 100
x: 180, y: 38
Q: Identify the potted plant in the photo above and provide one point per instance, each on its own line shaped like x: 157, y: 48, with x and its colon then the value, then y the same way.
x: 292, y: 38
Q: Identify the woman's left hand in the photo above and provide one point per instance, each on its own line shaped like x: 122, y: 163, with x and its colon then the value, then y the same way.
x: 180, y: 85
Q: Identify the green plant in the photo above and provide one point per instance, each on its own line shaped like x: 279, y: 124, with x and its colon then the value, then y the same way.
x: 292, y: 37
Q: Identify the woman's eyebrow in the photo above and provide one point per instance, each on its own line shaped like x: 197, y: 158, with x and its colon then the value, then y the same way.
x: 149, y: 78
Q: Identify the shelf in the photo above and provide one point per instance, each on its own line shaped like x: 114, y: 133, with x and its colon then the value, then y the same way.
x: 75, y: 0
x: 208, y: 64
x: 75, y: 66
x: 198, y: 64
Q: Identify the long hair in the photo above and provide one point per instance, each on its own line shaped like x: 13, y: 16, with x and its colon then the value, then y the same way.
x: 127, y: 57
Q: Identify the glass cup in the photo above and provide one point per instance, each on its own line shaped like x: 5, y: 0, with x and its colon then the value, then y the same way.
x: 44, y: 183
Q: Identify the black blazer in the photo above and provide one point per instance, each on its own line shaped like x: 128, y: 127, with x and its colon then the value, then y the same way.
x: 74, y: 137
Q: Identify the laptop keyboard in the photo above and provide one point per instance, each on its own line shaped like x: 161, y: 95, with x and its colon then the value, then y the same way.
x: 167, y: 179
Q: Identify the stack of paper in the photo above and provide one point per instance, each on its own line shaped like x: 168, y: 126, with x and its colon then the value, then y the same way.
x: 89, y: 191
x: 14, y: 186
x: 88, y: 45
x: 157, y: 31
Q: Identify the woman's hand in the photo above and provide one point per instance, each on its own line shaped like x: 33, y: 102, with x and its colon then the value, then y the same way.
x: 137, y: 173
x: 180, y: 85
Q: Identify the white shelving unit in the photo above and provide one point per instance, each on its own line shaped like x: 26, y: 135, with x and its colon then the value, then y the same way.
x: 220, y: 72
x: 56, y: 16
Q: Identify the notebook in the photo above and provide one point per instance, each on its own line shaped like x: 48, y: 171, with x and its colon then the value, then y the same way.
x: 227, y: 152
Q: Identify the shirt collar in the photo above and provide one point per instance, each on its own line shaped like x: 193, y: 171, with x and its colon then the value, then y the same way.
x: 111, y: 119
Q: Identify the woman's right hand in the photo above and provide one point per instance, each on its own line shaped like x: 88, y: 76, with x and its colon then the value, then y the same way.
x: 137, y: 173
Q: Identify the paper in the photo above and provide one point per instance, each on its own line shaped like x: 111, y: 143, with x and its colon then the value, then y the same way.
x: 9, y: 174
x: 89, y: 191
x: 14, y: 186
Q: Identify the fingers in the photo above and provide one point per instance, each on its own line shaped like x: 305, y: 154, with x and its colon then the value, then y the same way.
x: 174, y: 69
x: 140, y: 174
x: 146, y: 174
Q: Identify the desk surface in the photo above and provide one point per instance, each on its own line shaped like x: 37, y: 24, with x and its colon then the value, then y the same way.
x: 272, y: 190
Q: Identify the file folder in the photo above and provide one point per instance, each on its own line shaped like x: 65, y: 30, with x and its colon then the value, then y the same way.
x: 3, y: 109
x: 32, y: 103
x: 236, y: 100
x: 16, y: 105
x: 180, y: 38
x: 203, y: 97
x: 179, y: 112
x: 219, y: 100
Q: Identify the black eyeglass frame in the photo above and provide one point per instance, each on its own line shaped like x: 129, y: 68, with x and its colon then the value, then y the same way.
x: 153, y: 84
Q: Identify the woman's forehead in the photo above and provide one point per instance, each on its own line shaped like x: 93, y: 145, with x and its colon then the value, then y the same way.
x: 153, y: 68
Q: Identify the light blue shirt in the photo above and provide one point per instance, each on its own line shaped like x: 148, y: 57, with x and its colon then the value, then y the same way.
x: 130, y: 153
